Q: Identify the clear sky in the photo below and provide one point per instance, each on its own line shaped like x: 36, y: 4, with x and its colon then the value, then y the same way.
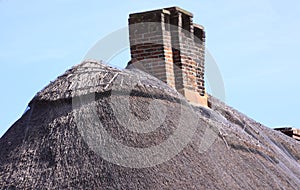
x: 255, y: 44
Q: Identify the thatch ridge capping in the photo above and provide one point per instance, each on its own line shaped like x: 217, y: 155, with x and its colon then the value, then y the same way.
x: 92, y: 76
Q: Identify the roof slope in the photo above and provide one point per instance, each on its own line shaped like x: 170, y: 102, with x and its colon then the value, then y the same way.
x: 97, y: 127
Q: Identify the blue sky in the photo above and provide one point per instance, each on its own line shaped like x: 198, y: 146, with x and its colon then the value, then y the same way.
x: 255, y: 45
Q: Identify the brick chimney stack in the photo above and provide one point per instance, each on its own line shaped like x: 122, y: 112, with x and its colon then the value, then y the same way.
x: 168, y: 45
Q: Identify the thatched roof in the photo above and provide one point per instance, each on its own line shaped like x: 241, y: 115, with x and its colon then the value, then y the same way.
x: 97, y: 127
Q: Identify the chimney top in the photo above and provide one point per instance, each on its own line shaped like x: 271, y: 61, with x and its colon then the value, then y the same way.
x: 150, y: 12
x: 178, y: 9
x: 165, y: 11
x: 198, y: 26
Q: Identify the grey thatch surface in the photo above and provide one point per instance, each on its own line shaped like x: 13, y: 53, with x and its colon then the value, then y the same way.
x: 51, y: 145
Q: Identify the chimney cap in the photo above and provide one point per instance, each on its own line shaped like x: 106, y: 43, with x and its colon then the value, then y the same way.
x: 164, y: 11
x: 198, y: 26
x: 178, y: 9
x: 168, y: 11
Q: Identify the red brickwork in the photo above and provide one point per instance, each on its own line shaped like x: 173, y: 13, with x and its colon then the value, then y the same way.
x: 169, y: 46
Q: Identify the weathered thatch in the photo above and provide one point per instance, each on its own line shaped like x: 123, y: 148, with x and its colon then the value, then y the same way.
x: 62, y: 141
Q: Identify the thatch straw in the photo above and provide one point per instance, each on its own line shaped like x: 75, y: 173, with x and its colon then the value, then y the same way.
x: 51, y: 146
